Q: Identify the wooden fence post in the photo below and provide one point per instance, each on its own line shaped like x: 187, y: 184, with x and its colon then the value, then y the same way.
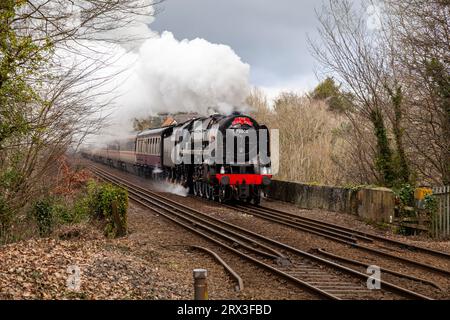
x: 441, y: 220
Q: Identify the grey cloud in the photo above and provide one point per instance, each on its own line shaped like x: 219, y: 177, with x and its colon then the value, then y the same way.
x: 269, y: 35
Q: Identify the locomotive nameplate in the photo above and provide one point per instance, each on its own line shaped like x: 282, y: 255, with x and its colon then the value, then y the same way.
x: 241, y: 131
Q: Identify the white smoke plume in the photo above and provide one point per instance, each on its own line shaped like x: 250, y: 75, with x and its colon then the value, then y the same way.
x: 158, y: 73
x: 168, y: 187
x: 171, y: 76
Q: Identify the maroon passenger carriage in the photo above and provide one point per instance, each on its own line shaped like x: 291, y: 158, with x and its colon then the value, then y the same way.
x: 176, y: 153
x: 148, y: 152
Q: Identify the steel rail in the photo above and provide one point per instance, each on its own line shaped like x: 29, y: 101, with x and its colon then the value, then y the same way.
x: 313, y: 230
x: 364, y: 247
x: 299, y: 222
x: 234, y: 274
x: 320, y: 260
x: 276, y: 255
x: 383, y: 269
x: 369, y: 235
x: 239, y: 253
x: 240, y: 283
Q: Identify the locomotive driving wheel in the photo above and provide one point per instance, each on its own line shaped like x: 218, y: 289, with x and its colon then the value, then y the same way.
x: 223, y: 194
x: 200, y: 189
x: 210, y: 192
x: 195, y: 188
x: 204, y: 188
x: 257, y: 198
x: 207, y: 192
x: 215, y: 193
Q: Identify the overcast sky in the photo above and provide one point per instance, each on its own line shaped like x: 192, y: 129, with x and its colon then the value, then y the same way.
x: 271, y: 36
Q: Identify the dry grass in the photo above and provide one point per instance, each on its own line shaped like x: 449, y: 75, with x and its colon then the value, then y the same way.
x: 311, y: 145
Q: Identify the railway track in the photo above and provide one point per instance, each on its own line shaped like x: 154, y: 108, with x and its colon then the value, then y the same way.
x: 372, y: 243
x: 321, y: 276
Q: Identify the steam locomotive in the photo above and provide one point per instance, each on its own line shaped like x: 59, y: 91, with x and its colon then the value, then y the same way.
x: 219, y: 157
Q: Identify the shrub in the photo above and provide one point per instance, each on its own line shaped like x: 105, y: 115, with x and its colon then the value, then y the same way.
x: 406, y: 195
x: 80, y: 210
x: 43, y: 213
x: 76, y: 213
x: 61, y: 213
x: 430, y: 203
x: 109, y: 203
x: 405, y: 198
x: 102, y: 201
x: 51, y: 211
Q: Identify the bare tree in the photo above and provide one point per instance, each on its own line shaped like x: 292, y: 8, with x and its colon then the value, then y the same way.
x: 399, y: 76
x: 365, y: 58
x: 49, y: 100
x: 421, y: 32
x: 351, y: 52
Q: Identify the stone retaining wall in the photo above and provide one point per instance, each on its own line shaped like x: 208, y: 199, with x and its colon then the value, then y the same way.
x: 375, y: 204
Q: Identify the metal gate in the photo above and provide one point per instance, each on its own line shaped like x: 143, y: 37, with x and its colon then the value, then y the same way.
x: 441, y: 219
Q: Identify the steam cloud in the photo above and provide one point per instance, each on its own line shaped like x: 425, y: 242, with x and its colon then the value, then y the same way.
x: 173, y: 188
x: 171, y: 75
x: 158, y: 73
x: 155, y: 73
